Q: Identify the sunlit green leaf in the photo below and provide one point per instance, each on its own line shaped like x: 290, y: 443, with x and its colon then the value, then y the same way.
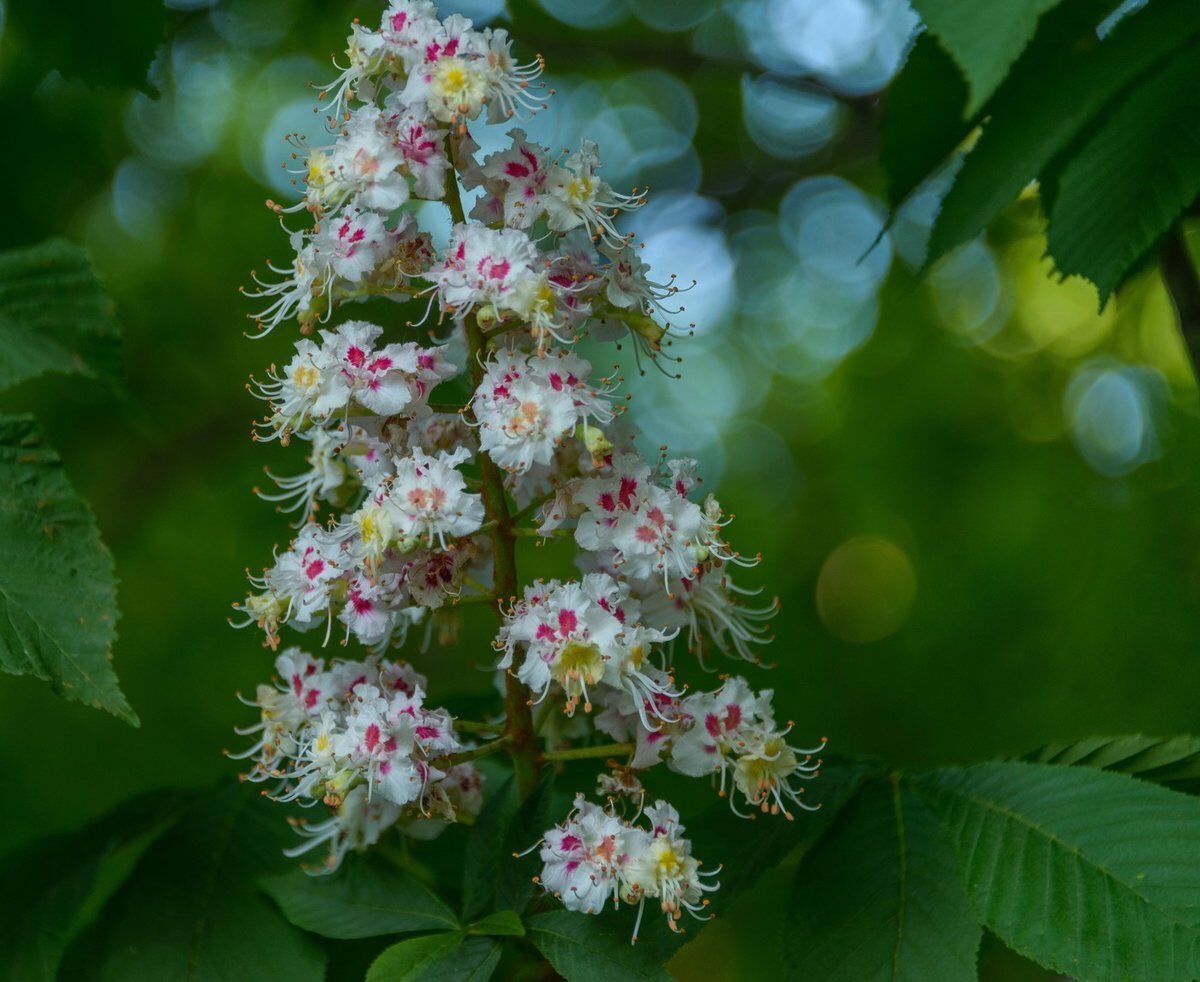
x: 58, y: 606
x: 1066, y: 79
x: 880, y: 897
x: 983, y: 37
x: 54, y: 315
x: 450, y: 957
x: 366, y: 897
x: 1131, y: 179
x: 1089, y: 873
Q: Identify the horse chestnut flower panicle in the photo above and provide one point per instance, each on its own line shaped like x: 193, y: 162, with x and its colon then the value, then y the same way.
x: 428, y: 492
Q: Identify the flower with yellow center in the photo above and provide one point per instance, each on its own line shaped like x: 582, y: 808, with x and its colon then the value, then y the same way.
x: 456, y: 90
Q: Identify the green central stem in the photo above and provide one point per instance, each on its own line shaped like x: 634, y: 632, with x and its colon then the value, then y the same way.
x: 518, y: 725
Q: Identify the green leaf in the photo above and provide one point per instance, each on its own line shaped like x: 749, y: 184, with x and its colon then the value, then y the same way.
x: 1066, y: 79
x: 880, y: 896
x: 502, y: 923
x: 493, y: 877
x: 1173, y: 761
x: 1131, y: 179
x: 365, y: 898
x: 451, y: 957
x: 191, y: 910
x: 50, y: 885
x: 593, y: 947
x: 58, y: 606
x: 923, y: 123
x: 55, y: 315
x: 983, y: 37
x: 1089, y: 873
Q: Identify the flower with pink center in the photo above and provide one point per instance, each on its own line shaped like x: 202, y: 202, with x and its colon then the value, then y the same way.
x: 583, y: 858
x: 421, y: 144
x: 428, y: 500
x: 302, y: 578
x: 351, y: 243
x: 371, y: 611
x: 394, y: 379
x: 517, y: 176
x: 483, y: 265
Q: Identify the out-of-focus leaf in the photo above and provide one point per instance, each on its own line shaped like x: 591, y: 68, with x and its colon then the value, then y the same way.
x: 1088, y: 872
x: 1173, y: 761
x: 366, y: 897
x: 450, y: 957
x: 924, y: 119
x: 592, y: 948
x: 493, y: 878
x: 191, y: 910
x: 502, y: 923
x: 983, y: 37
x: 58, y: 607
x: 54, y: 315
x: 1066, y: 79
x: 747, y: 848
x: 131, y: 33
x: 1127, y: 183
x: 881, y: 897
x: 50, y: 884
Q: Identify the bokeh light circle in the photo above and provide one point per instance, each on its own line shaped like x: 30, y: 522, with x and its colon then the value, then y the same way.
x: 865, y: 589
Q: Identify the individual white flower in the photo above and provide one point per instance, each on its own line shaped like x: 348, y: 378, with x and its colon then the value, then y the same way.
x: 363, y: 163
x: 372, y: 609
x: 308, y: 388
x: 733, y: 735
x: 351, y: 243
x: 302, y: 578
x: 583, y: 858
x: 517, y: 178
x: 665, y: 870
x: 575, y: 196
x: 421, y: 145
x: 484, y: 265
x: 527, y: 405
x: 581, y: 635
x: 394, y: 379
x: 429, y: 500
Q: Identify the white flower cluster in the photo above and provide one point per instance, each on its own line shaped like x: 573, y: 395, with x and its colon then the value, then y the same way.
x: 358, y: 736
x: 430, y: 481
x: 595, y: 857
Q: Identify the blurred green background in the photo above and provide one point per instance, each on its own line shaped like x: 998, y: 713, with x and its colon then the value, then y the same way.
x: 976, y: 495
